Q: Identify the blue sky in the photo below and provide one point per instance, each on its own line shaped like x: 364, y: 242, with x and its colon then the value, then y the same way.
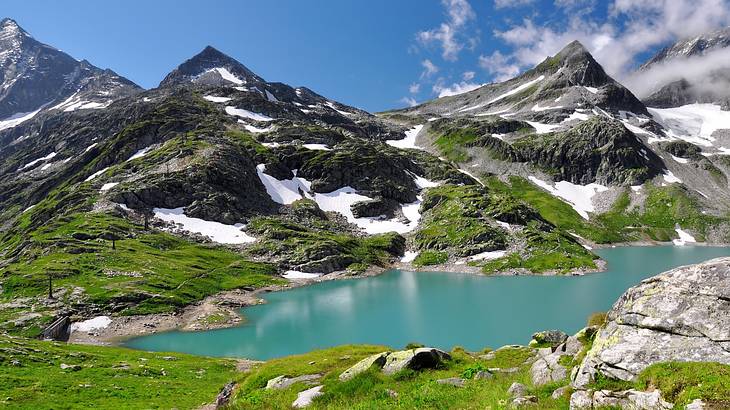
x: 375, y: 54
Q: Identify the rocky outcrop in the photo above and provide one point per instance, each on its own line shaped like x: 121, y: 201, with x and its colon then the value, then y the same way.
x: 680, y: 315
x: 363, y: 365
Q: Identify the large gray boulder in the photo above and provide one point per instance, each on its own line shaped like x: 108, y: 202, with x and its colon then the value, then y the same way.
x: 628, y: 399
x: 414, y: 359
x: 679, y: 315
x: 363, y: 365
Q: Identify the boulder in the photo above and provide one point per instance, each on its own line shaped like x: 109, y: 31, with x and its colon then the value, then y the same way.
x: 414, y: 359
x: 550, y: 337
x: 483, y: 375
x: 697, y: 404
x: 679, y: 315
x: 454, y: 381
x: 363, y: 365
x: 224, y: 397
x: 517, y: 390
x: 305, y: 397
x: 628, y: 399
x: 560, y: 392
x: 284, y: 382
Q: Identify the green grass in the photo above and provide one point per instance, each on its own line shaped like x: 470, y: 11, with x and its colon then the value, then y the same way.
x: 429, y: 258
x: 681, y: 383
x: 452, y: 144
x: 107, y: 377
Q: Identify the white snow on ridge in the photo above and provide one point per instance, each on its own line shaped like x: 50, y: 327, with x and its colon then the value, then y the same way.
x: 227, y: 75
x: 17, y: 119
x: 537, y: 108
x: 541, y: 128
x: 680, y: 160
x: 255, y: 130
x: 409, y: 256
x: 684, y: 237
x: 518, y: 89
x: 35, y: 161
x: 670, y: 178
x: 215, y: 99
x: 216, y: 231
x: 487, y: 255
x: 271, y: 97
x: 693, y: 123
x: 592, y: 90
x: 239, y: 112
x: 96, y: 174
x: 99, y: 322
x: 317, y: 147
x: 283, y: 192
x: 140, y: 153
x: 409, y: 141
x: 108, y: 186
x: 580, y: 197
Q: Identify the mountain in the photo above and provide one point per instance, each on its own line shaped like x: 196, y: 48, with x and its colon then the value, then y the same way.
x: 690, y: 71
x: 34, y: 76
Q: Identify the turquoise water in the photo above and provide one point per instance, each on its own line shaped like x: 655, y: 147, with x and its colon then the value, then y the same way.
x: 436, y: 309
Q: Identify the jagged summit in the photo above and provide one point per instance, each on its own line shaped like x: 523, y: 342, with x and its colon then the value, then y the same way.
x: 569, y: 81
x: 211, y: 67
x: 34, y: 75
x: 696, y: 46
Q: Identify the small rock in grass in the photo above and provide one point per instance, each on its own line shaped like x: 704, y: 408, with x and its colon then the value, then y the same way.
x: 482, y: 375
x: 517, y: 390
x: 560, y: 392
x: 72, y: 367
x: 524, y: 401
x: 454, y: 381
x: 284, y: 382
x: 392, y: 393
x: 305, y: 397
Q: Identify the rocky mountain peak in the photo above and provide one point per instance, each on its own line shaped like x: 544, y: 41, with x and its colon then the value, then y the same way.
x: 690, y: 47
x: 211, y: 67
x: 9, y: 27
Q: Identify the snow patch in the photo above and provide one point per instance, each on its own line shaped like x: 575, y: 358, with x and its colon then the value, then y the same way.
x: 215, y: 99
x: 271, y: 97
x: 239, y: 112
x: 108, y: 186
x: 317, y: 147
x: 140, y: 153
x: 694, y: 123
x: 670, y: 178
x: 684, y: 237
x: 295, y: 274
x: 409, y: 141
x: 680, y: 160
x: 96, y: 174
x: 216, y: 231
x: 97, y: 323
x: 486, y: 256
x: 518, y: 89
x: 409, y: 256
x: 580, y: 197
x: 592, y: 90
x: 283, y: 192
x: 541, y: 128
x: 227, y: 75
x: 35, y: 161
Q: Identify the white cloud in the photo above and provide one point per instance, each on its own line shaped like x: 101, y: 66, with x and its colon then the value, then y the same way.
x: 447, y: 34
x: 468, y: 75
x: 500, y: 66
x: 633, y: 27
x: 499, y: 4
x: 454, y: 89
x: 429, y: 68
x: 409, y: 101
x: 414, y: 88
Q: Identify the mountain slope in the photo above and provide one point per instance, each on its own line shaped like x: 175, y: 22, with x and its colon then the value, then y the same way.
x: 34, y: 76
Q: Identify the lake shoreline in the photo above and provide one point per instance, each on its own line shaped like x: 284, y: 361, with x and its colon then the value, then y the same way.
x: 226, y: 306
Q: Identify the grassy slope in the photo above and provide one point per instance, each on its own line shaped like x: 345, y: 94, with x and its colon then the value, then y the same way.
x: 663, y: 209
x: 107, y: 377
x: 159, y: 271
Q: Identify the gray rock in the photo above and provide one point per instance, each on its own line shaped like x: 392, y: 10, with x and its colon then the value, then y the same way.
x: 284, y: 382
x: 482, y: 375
x: 679, y: 315
x: 224, y: 397
x: 630, y: 399
x: 546, y: 369
x: 697, y: 404
x: 454, y: 381
x: 363, y: 365
x: 415, y: 359
x: 517, y: 390
x: 551, y: 337
x: 580, y: 400
x: 524, y: 401
x: 72, y: 367
x: 560, y: 392
x: 392, y: 393
x: 305, y: 397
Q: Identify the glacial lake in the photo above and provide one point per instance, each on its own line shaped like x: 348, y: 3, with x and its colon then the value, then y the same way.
x: 432, y: 308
